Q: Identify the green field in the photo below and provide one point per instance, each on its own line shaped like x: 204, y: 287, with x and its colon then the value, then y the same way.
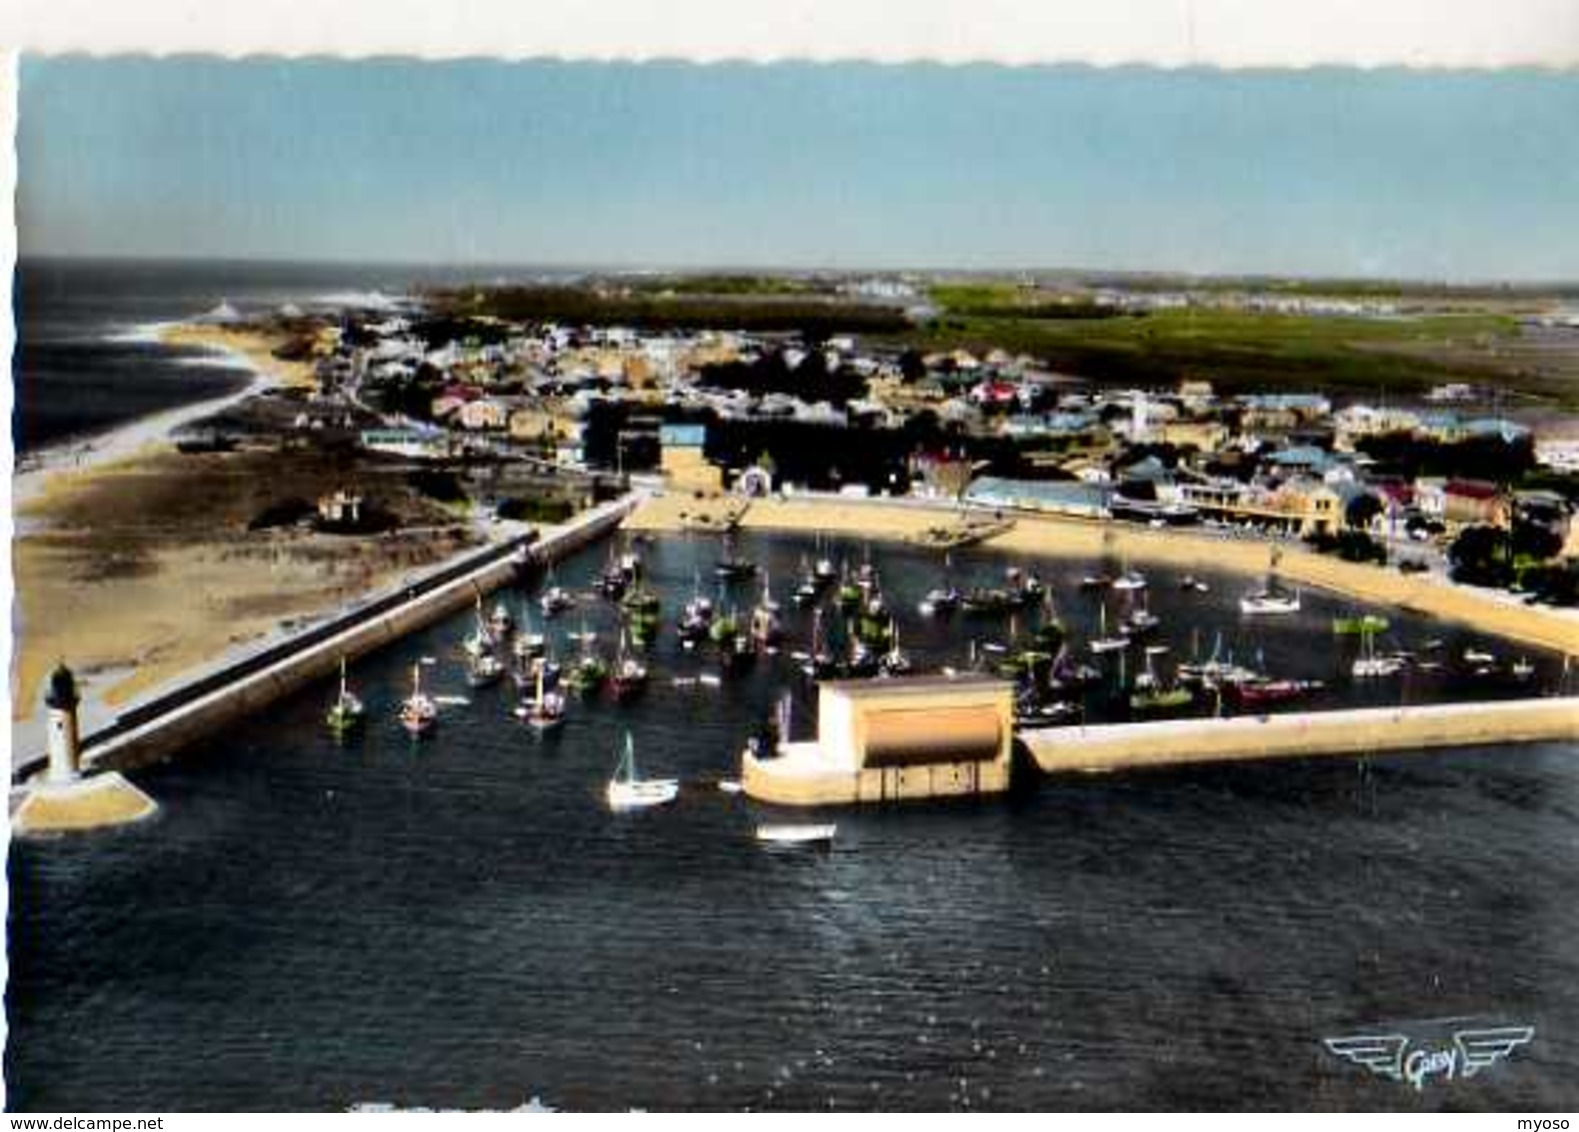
x: 1240, y: 351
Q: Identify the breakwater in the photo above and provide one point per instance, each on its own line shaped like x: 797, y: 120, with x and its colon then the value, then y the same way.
x: 1357, y: 731
x: 156, y: 728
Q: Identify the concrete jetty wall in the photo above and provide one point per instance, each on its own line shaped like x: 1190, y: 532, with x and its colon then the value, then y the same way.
x: 188, y: 713
x: 1359, y: 731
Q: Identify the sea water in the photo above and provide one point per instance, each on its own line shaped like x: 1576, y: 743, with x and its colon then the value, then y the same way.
x: 460, y: 922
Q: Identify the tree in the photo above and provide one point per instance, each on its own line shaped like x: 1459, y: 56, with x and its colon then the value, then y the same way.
x: 1535, y: 540
x: 1361, y: 510
x: 1480, y: 556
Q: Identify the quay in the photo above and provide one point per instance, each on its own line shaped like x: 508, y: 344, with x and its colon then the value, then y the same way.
x: 1352, y: 732
x: 156, y: 728
x: 941, y: 737
x: 910, y: 520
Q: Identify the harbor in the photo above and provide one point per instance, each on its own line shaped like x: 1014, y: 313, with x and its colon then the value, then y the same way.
x: 1102, y: 910
x: 939, y: 588
x: 1030, y: 638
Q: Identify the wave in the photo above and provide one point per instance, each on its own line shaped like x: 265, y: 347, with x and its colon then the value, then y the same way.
x: 140, y: 333
x: 216, y: 358
x: 362, y: 300
x: 222, y: 313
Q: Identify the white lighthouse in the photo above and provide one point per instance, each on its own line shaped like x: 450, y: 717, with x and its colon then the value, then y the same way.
x: 61, y: 700
x: 60, y: 799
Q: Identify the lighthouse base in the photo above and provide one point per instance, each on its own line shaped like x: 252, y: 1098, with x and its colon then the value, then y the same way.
x: 97, y: 802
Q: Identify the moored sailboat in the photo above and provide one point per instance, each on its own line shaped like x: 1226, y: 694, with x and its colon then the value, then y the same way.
x: 627, y: 790
x: 345, y: 714
x: 418, y: 712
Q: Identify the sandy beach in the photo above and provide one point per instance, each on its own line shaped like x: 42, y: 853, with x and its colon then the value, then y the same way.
x: 136, y: 563
x: 249, y: 348
x: 1496, y: 613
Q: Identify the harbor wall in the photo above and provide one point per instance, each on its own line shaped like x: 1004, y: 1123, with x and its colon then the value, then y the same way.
x: 766, y: 781
x: 183, y: 715
x: 1358, y: 731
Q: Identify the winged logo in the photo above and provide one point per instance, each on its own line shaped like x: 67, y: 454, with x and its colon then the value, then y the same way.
x: 1390, y: 1055
x: 1382, y: 1054
x: 1479, y: 1049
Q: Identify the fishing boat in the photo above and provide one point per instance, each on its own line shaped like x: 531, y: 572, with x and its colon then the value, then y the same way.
x: 1129, y: 580
x: 806, y: 591
x: 1031, y: 712
x: 589, y: 670
x: 894, y: 662
x: 866, y: 574
x: 545, y: 666
x: 418, y: 712
x: 1269, y: 601
x: 627, y: 790
x: 528, y: 642
x: 346, y: 712
x: 766, y: 629
x: 849, y: 595
x: 809, y: 835
x: 1354, y: 626
x: 696, y: 617
x: 731, y: 566
x: 724, y: 627
x: 617, y: 574
x: 864, y: 660
x: 1479, y: 657
x: 1069, y: 673
x: 555, y: 600
x: 641, y: 602
x: 1263, y: 691
x: 1102, y: 643
x: 630, y: 674
x: 809, y: 587
x: 483, y: 670
x: 546, y: 709
x: 1522, y: 669
x: 988, y: 600
x: 1024, y: 584
x: 819, y: 663
x: 481, y: 638
x: 736, y: 652
x: 1370, y: 665
x: 824, y: 570
x: 1141, y: 619
x: 940, y: 601
x: 1217, y: 671
x: 1152, y: 694
x: 1096, y: 581
x: 692, y: 630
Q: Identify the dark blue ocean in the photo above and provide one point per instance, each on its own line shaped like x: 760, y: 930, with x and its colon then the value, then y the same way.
x: 460, y: 923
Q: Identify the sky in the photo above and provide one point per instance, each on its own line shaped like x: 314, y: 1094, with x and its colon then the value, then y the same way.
x: 1336, y: 172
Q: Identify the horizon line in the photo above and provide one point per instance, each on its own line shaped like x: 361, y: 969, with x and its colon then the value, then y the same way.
x: 765, y: 269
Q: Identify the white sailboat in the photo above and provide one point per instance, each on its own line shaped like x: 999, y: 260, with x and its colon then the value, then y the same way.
x: 808, y: 834
x: 627, y: 791
x: 345, y: 714
x: 1102, y: 643
x: 418, y: 712
x: 1369, y: 666
x: 547, y: 709
x: 1269, y: 601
